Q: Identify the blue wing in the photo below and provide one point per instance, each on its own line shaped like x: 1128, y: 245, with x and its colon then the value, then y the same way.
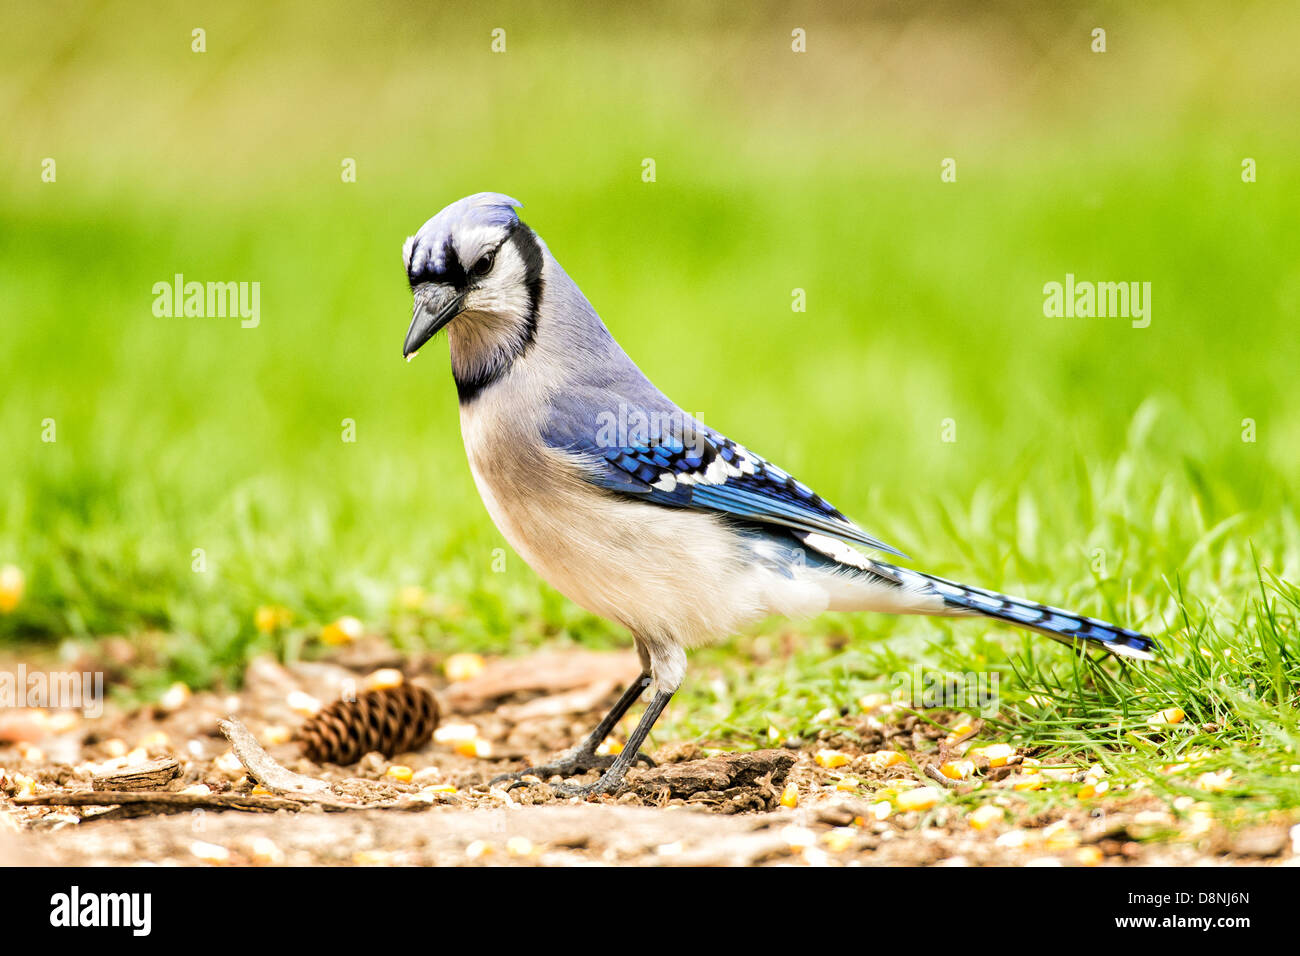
x: 684, y: 464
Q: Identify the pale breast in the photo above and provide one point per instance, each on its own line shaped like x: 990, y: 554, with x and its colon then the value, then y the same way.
x: 654, y: 570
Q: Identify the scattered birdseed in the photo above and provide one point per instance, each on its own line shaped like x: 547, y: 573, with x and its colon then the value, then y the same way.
x: 343, y: 631
x: 983, y: 817
x: 460, y: 667
x: 384, y: 678
x: 830, y: 759
x: 922, y: 798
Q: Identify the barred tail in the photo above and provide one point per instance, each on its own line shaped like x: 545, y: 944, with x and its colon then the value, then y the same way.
x: 1063, y: 626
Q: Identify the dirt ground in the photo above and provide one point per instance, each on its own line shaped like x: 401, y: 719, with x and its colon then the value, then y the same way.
x: 867, y: 793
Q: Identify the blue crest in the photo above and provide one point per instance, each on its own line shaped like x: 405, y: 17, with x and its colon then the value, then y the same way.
x: 426, y: 251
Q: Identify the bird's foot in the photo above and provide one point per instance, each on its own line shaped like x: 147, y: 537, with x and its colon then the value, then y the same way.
x: 611, y: 781
x: 569, y: 764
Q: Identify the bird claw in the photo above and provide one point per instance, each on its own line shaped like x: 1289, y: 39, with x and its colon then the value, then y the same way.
x: 587, y: 790
x: 571, y: 765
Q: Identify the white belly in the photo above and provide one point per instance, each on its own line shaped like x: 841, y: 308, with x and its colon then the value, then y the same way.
x: 676, y: 578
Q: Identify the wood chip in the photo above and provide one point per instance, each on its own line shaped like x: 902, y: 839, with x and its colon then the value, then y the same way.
x: 153, y: 775
x: 161, y: 801
x: 579, y: 701
x: 279, y: 780
x: 767, y: 768
x: 546, y: 673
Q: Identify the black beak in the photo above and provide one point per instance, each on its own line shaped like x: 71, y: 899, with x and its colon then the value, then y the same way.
x: 435, y: 306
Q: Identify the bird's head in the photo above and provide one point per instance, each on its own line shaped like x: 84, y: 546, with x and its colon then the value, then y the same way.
x: 475, y: 269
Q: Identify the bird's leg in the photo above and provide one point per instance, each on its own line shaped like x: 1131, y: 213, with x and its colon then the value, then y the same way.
x: 583, y: 757
x: 612, y: 779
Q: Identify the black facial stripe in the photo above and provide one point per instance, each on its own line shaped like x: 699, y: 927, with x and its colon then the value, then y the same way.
x: 452, y: 274
x: 530, y: 251
x: 526, y: 244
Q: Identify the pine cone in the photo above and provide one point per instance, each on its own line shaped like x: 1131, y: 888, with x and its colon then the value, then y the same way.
x: 392, y: 720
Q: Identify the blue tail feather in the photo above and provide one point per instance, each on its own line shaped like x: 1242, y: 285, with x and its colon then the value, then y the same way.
x: 1064, y: 626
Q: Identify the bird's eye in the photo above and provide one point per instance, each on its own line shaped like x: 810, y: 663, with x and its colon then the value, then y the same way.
x: 484, y: 265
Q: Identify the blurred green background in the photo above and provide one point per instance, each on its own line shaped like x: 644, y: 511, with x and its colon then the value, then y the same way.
x: 1095, y: 464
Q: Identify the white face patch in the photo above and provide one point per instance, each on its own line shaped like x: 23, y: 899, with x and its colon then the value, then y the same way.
x: 503, y: 291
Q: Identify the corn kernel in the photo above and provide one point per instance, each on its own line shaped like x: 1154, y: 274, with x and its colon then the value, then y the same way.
x: 209, y: 852
x: 872, y: 702
x: 847, y: 784
x: 1088, y: 855
x: 260, y: 791
x: 839, y: 839
x: 12, y: 583
x: 343, y: 631
x: 922, y: 798
x: 30, y: 752
x: 175, y: 697
x: 773, y: 733
x: 155, y: 740
x: 478, y: 849
x: 1059, y: 836
x: 264, y: 850
x: 197, y: 790
x: 475, y: 747
x: 265, y: 619
x: 609, y: 748
x: 985, y: 816
x: 303, y: 704
x: 1028, y: 783
x: 957, y: 769
x: 116, y: 747
x: 440, y: 788
x: 269, y: 618
x: 882, y: 810
x: 1013, y: 839
x: 399, y: 773
x: 1214, y: 782
x: 62, y: 721
x: 228, y: 763
x: 790, y: 796
x: 275, y: 734
x: 460, y: 667
x: 26, y: 785
x: 960, y: 732
x: 996, y: 754
x: 884, y: 758
x: 519, y: 846
x: 384, y: 678
x: 1170, y: 715
x: 1094, y: 789
x: 452, y: 733
x: 830, y: 759
x: 411, y: 597
x: 1030, y: 765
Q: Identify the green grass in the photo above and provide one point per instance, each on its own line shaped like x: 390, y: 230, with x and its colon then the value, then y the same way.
x: 1097, y: 466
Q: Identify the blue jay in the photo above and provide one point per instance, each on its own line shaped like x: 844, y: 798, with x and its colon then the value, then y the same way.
x: 629, y: 506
